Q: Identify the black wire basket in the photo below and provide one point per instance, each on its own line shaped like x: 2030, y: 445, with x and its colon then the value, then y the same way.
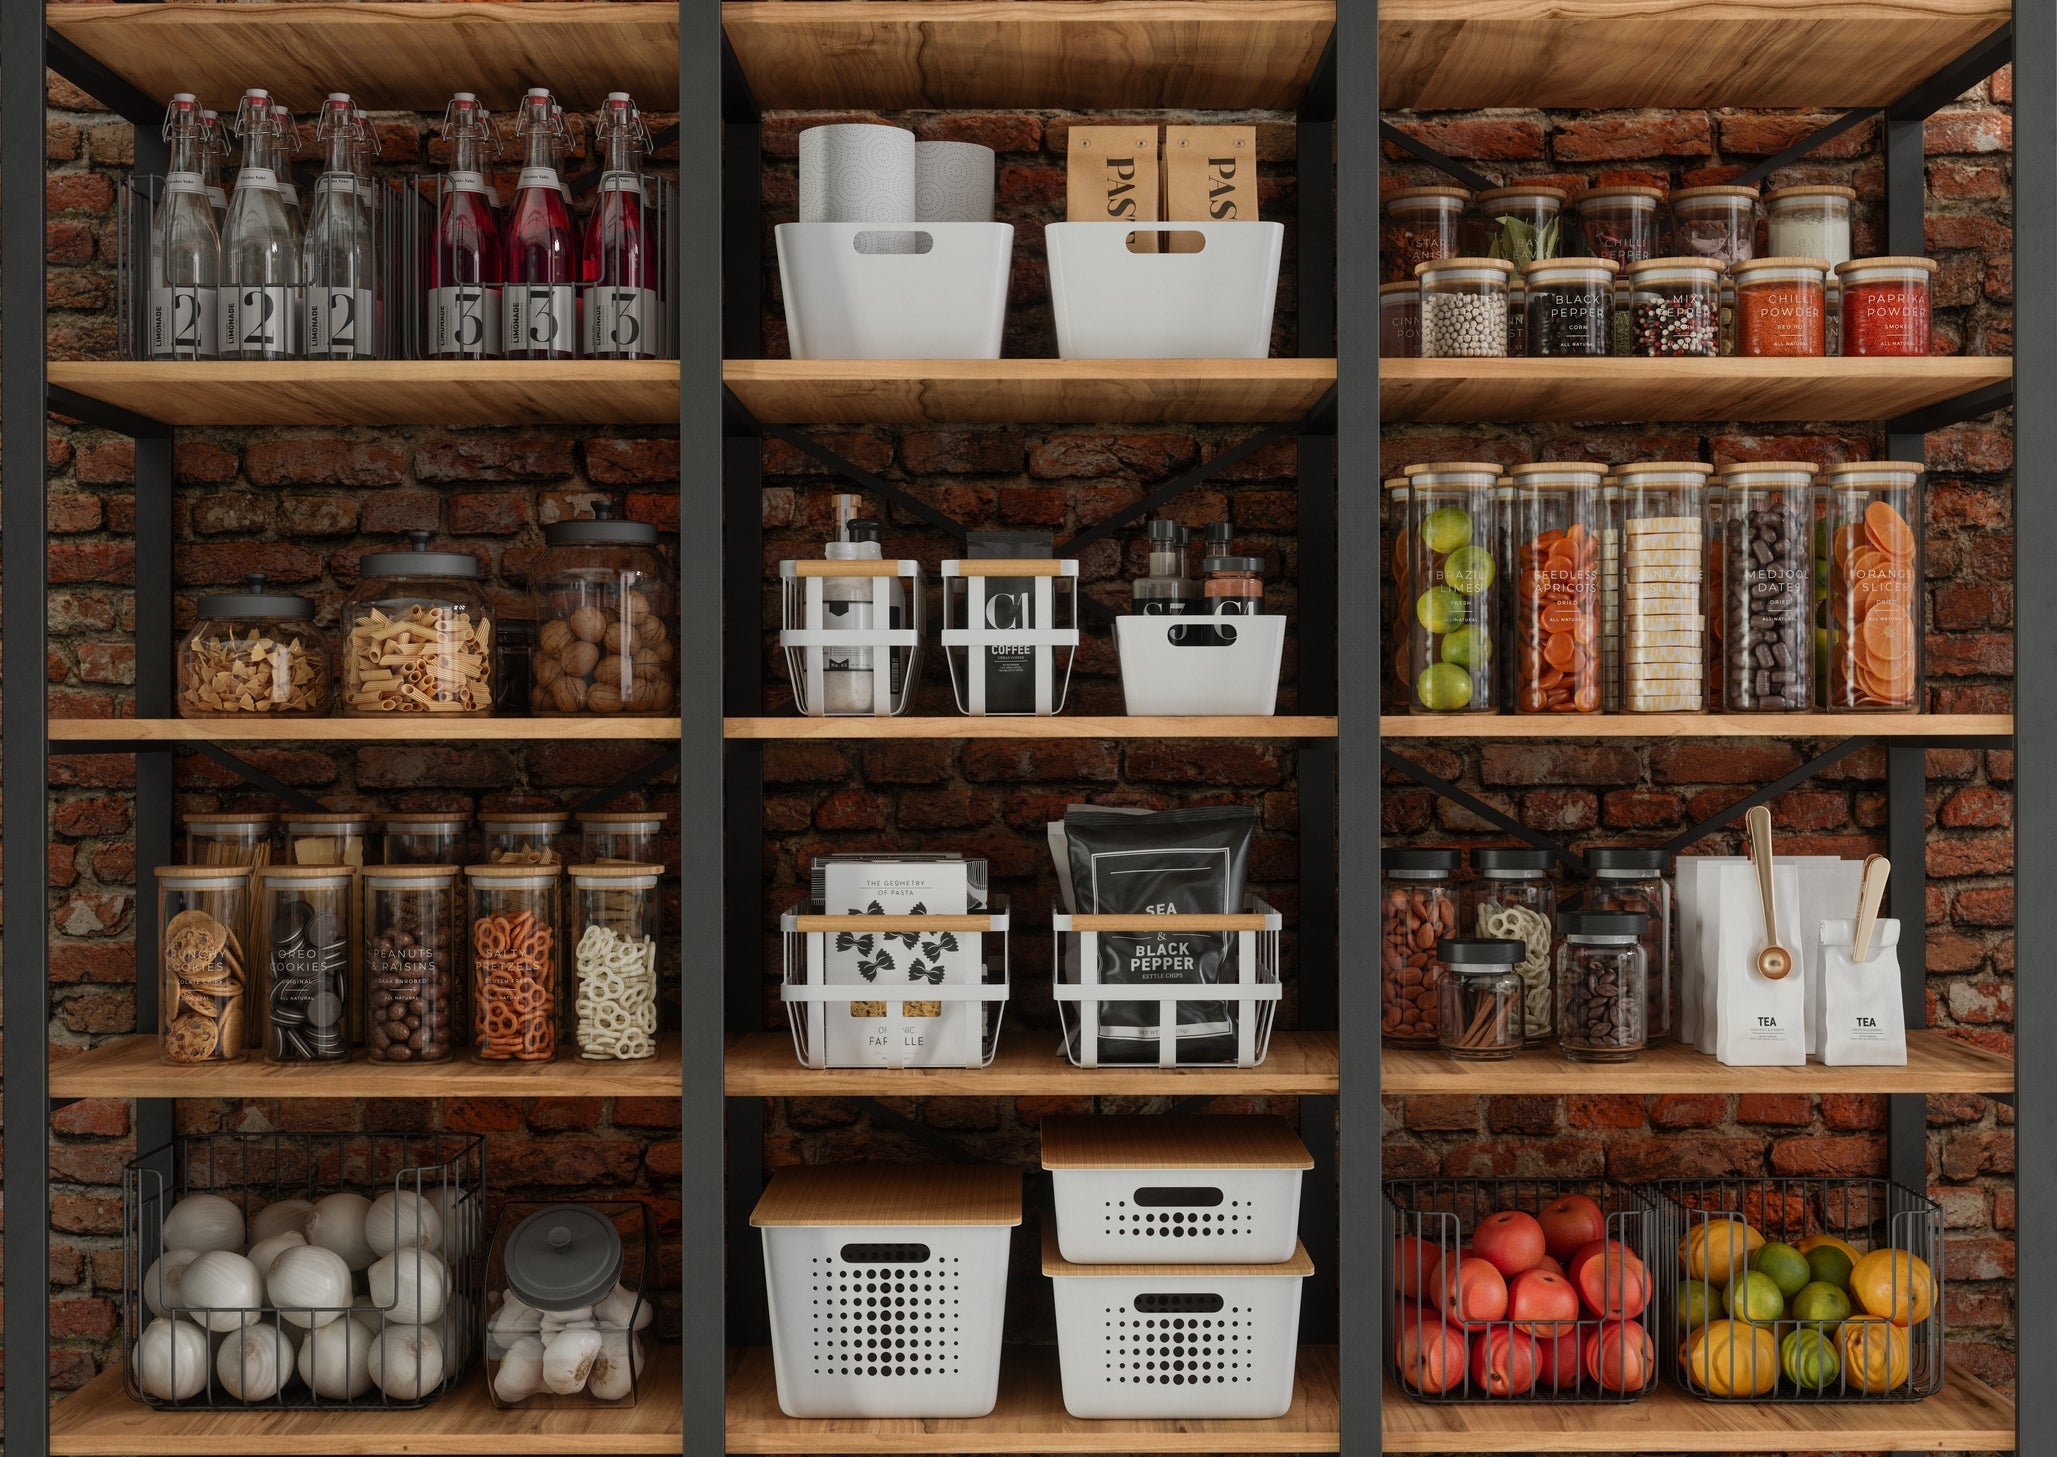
x: 254, y: 1170
x: 1581, y: 1360
x: 1787, y: 1359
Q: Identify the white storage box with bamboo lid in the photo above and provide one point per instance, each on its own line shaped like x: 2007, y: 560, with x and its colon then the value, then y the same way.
x: 887, y: 1287
x: 1171, y: 1189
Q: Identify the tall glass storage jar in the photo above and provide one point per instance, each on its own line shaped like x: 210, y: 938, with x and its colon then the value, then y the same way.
x: 1715, y: 514
x: 1619, y: 222
x: 622, y: 836
x: 1553, y: 545
x: 1570, y: 308
x: 1781, y: 308
x: 1464, y: 308
x: 525, y: 836
x: 602, y: 602
x: 1768, y: 590
x: 1675, y: 308
x: 1454, y: 577
x: 1631, y: 878
x: 1480, y: 999
x: 1513, y: 900
x: 230, y: 837
x: 306, y: 931
x: 1663, y: 618
x: 1422, y: 224
x: 1718, y: 223
x: 255, y: 652
x: 570, y: 1292
x: 418, y: 635
x: 1398, y: 612
x: 413, y: 975
x: 614, y: 914
x: 1885, y: 306
x: 426, y: 837
x: 1602, y: 991
x: 1610, y: 594
x: 1399, y: 320
x: 1873, y: 518
x: 1520, y: 224
x: 515, y: 939
x: 1419, y: 910
x: 1811, y: 221
x: 204, y: 974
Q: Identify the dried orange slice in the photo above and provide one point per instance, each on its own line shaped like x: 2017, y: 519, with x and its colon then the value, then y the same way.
x: 1888, y: 529
x: 1887, y: 633
x: 1848, y: 538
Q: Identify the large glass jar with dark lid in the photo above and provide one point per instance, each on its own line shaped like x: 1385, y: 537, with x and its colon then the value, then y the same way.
x: 418, y: 635
x: 1420, y: 910
x: 255, y: 652
x: 601, y: 600
x: 1602, y: 996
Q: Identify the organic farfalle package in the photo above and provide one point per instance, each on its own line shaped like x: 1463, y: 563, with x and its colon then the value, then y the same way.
x: 926, y: 1032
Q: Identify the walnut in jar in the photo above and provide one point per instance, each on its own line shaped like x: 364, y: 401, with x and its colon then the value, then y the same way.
x: 601, y: 646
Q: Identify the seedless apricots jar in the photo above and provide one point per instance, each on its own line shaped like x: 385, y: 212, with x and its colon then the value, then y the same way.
x: 1873, y: 550
x: 1885, y: 305
x: 1555, y: 550
x: 1453, y: 586
x: 515, y: 941
x: 1420, y: 909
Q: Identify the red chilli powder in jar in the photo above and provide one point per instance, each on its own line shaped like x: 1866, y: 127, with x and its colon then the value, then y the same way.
x: 1781, y: 308
x: 1885, y: 305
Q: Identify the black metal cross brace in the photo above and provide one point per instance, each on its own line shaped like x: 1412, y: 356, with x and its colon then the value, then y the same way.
x: 657, y: 768
x: 1480, y: 808
x: 1826, y: 760
x: 920, y: 1132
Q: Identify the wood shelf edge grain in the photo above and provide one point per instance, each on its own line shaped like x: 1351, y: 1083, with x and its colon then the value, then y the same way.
x: 1694, y: 725
x: 1056, y: 726
x: 344, y: 730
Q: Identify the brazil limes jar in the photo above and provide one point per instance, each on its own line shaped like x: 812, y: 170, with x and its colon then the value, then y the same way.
x: 1454, y: 587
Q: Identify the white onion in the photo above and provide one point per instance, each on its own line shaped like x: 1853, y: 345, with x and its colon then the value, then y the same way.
x: 519, y: 1375
x: 401, y: 1219
x: 614, y: 1309
x: 461, y: 1220
x: 222, y: 1289
x: 410, y: 1286
x: 268, y: 1249
x: 335, y: 1361
x: 568, y: 1360
x: 255, y: 1363
x: 284, y: 1216
x: 309, y: 1285
x: 161, y: 1282
x: 204, y: 1222
x: 337, y: 1223
x: 171, y: 1359
x: 614, y: 1370
x: 407, y: 1361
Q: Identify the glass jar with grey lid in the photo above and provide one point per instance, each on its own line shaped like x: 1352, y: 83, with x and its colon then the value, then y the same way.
x: 1481, y: 998
x: 255, y: 652
x: 1464, y: 308
x: 602, y: 602
x: 1631, y: 878
x: 418, y: 636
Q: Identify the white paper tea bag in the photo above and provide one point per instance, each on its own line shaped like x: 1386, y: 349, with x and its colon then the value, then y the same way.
x: 1864, y: 1019
x: 1828, y: 886
x: 1759, y: 1022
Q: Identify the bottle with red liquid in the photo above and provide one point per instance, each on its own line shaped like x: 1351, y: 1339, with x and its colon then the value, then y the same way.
x: 464, y: 268
x: 539, y: 289
x: 618, y: 304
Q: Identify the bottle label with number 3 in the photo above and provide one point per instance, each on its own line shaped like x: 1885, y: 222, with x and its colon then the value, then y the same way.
x: 540, y: 318
x: 620, y: 322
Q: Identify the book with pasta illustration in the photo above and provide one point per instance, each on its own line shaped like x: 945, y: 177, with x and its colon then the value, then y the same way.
x: 929, y: 1031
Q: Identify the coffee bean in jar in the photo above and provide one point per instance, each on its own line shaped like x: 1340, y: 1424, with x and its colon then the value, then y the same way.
x: 1419, y: 910
x: 411, y: 965
x: 1602, y: 985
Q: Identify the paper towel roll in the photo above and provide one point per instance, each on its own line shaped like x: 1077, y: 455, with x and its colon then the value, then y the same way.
x: 953, y: 182
x: 852, y: 172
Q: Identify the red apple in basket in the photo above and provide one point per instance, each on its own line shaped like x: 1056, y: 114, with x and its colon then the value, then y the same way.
x: 1431, y: 1355
x: 1511, y: 1241
x: 1414, y: 1266
x: 1538, y: 1300
x: 1613, y: 1280
x: 1559, y: 1358
x: 1620, y: 1355
x: 1470, y: 1293
x: 1569, y: 1221
x: 1503, y: 1361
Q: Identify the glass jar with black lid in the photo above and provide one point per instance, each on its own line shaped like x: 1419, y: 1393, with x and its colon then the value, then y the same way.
x: 254, y: 652
x: 1631, y: 878
x: 1420, y: 909
x: 1513, y: 900
x: 418, y: 635
x: 1602, y: 985
x: 602, y: 602
x: 1480, y: 998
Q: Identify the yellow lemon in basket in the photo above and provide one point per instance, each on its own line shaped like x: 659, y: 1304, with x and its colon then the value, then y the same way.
x: 1717, y: 1248
x: 1874, y: 1353
x: 1895, y: 1285
x: 1733, y: 1358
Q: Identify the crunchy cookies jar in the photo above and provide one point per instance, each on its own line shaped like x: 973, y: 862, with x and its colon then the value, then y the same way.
x: 418, y: 636
x: 602, y: 600
x: 203, y: 999
x: 254, y: 652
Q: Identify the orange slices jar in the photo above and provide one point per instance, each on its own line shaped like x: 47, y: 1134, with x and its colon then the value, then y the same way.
x: 1554, y: 546
x: 1873, y: 553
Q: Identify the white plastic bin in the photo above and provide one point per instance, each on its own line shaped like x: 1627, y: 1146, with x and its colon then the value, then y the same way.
x: 1198, y: 1341
x: 843, y: 1346
x: 1168, y: 1189
x: 819, y: 647
x: 978, y: 624
x: 947, y: 299
x: 959, y: 1026
x: 1114, y: 304
x: 1200, y: 666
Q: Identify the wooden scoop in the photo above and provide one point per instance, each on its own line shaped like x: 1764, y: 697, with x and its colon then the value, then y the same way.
x: 1869, y: 893
x: 1774, y: 962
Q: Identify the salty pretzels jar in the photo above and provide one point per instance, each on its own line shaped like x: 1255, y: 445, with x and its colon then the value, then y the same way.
x: 621, y: 836
x: 303, y: 925
x: 230, y: 837
x: 204, y: 974
x: 254, y: 652
x: 514, y: 938
x: 614, y: 914
x: 418, y: 635
x: 425, y: 837
x: 524, y: 836
x: 412, y: 983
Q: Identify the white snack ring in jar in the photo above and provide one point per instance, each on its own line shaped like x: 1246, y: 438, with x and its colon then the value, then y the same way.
x: 616, y: 1005
x: 1519, y: 923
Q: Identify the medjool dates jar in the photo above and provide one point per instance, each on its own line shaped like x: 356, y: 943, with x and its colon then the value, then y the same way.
x: 602, y: 602
x: 1419, y: 910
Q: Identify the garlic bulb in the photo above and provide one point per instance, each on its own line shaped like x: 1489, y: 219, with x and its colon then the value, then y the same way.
x: 335, y: 1360
x: 520, y: 1372
x: 223, y: 1290
x: 614, y: 1310
x: 266, y: 1250
x: 410, y: 1286
x: 255, y: 1362
x: 162, y: 1281
x: 171, y: 1359
x: 309, y: 1285
x: 407, y: 1362
x: 513, y: 1319
x: 614, y: 1371
x: 204, y: 1222
x: 399, y: 1220
x: 337, y: 1223
x: 280, y: 1217
x: 568, y: 1360
x: 577, y: 1318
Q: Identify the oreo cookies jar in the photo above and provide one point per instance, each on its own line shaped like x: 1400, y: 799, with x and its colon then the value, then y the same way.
x: 303, y: 927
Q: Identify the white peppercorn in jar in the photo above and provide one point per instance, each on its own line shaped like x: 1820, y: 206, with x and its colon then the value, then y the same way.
x: 1513, y: 900
x: 1602, y: 996
x: 1464, y: 308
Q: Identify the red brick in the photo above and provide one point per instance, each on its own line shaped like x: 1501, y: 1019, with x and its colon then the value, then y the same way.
x: 1970, y: 653
x: 418, y: 766
x: 804, y: 763
x: 1525, y: 1114
x: 78, y: 192
x: 324, y: 462
x: 1002, y: 131
x: 568, y: 1162
x: 1964, y: 606
x: 1811, y: 809
x: 1493, y: 139
x: 492, y: 513
x: 1838, y: 1157
x: 954, y: 807
x: 106, y: 463
x: 1689, y: 1110
x: 1640, y: 809
x: 493, y: 457
x: 1607, y: 1110
x: 1705, y: 1156
x: 1727, y: 763
x: 612, y: 462
x: 1056, y: 760
x: 1977, y: 807
x: 557, y: 1115
x: 1977, y: 1002
x: 318, y: 515
x: 1764, y: 133
x: 91, y: 1012
x: 961, y: 452
x: 97, y: 1117
x: 852, y: 809
x: 1130, y: 457
x: 1555, y: 1158
x: 907, y: 761
x: 395, y: 512
x: 1978, y: 1259
x: 482, y: 1115
x: 1853, y: 1112
x: 207, y: 564
x: 1199, y: 762
x: 868, y: 452
x: 646, y: 1113
x: 106, y: 815
x: 1956, y: 132
x: 1983, y: 906
x: 1524, y: 764
x: 86, y: 1318
x: 1616, y: 136
x: 1034, y: 505
x: 67, y: 513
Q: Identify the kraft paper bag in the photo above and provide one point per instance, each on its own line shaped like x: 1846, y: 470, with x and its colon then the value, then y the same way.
x: 1864, y: 1020
x: 1758, y: 1022
x: 1828, y: 887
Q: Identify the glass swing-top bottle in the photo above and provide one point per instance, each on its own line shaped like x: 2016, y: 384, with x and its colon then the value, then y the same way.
x: 618, y: 305
x: 260, y: 263
x: 337, y: 257
x: 288, y: 143
x: 464, y: 267
x: 185, y: 249
x: 539, y: 304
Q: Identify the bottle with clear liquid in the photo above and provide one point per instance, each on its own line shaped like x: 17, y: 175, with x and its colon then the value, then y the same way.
x: 464, y: 304
x: 539, y: 303
x: 618, y: 304
x: 363, y: 145
x: 337, y: 258
x: 260, y: 260
x: 185, y: 245
x: 289, y: 144
x: 214, y: 152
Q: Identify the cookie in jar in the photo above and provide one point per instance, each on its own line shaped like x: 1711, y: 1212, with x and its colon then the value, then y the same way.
x: 601, y: 599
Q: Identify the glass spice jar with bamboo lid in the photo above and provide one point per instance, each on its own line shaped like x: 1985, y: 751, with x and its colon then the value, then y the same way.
x: 1675, y: 308
x: 1781, y: 308
x: 1811, y: 220
x: 1885, y: 306
x: 1399, y: 320
x: 622, y: 836
x: 326, y: 837
x: 230, y: 837
x: 524, y: 836
x: 1422, y: 224
x: 426, y: 837
x: 1619, y: 222
x: 1521, y: 223
x: 1464, y: 308
x: 1717, y: 223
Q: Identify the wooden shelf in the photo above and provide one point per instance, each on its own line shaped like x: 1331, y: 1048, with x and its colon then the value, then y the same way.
x: 1013, y: 391
x: 378, y: 391
x: 1458, y: 54
x: 907, y: 54
x: 1029, y: 1065
x: 418, y: 727
x: 1935, y: 1064
x: 1472, y: 390
x: 1695, y: 725
x: 1965, y: 1416
x: 129, y: 1067
x: 1030, y: 1417
x: 389, y: 57
x: 99, y: 1420
x: 1056, y: 726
